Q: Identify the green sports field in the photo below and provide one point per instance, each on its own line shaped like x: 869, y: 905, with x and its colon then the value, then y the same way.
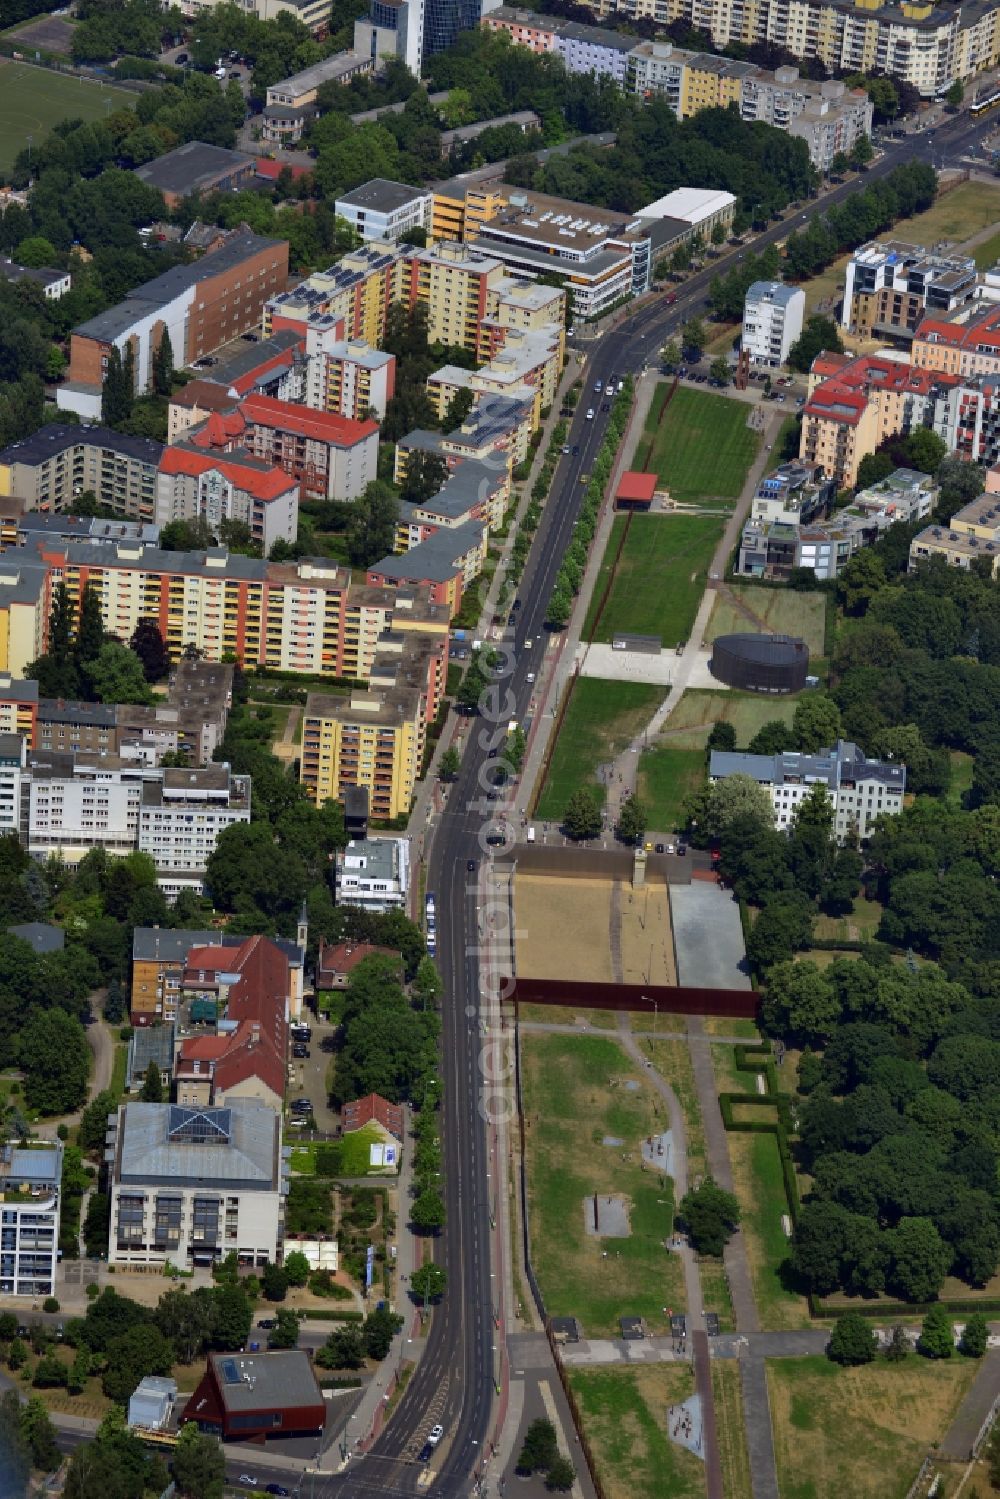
x: 660, y: 577
x: 699, y: 444
x: 32, y: 100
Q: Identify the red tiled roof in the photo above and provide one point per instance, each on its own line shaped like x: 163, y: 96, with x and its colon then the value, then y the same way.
x: 271, y: 170
x: 345, y: 956
x: 262, y: 483
x: 221, y: 428
x: 636, y: 486
x: 257, y: 1002
x: 323, y: 426
x: 373, y: 1106
x: 204, y: 395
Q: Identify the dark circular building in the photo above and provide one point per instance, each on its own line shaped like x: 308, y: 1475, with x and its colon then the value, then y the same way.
x: 760, y: 663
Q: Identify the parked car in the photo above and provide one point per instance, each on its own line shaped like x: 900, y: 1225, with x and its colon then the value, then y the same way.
x: 278, y: 1490
x: 267, y: 1323
x: 180, y: 59
x: 435, y: 1434
x: 247, y: 1481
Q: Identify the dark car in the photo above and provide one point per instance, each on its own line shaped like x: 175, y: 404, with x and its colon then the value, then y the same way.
x: 425, y: 1452
x: 576, y: 449
x: 516, y: 604
x: 180, y: 59
x: 298, y: 1050
x: 279, y: 1491
x: 659, y: 848
x: 511, y: 620
x: 605, y: 405
x: 267, y: 1323
x: 470, y: 865
x: 682, y: 849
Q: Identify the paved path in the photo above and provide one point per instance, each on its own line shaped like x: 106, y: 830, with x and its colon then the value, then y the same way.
x: 956, y: 1446
x: 689, y: 1262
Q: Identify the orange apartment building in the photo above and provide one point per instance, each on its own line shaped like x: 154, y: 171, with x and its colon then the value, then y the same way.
x: 963, y: 345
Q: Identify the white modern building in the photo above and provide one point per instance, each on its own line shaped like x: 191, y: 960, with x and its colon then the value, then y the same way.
x: 384, y: 210
x: 74, y: 802
x: 889, y: 286
x: 191, y: 1185
x: 30, y: 1183
x: 13, y: 759
x: 773, y: 315
x: 374, y: 873
x: 701, y: 207
x: 860, y: 789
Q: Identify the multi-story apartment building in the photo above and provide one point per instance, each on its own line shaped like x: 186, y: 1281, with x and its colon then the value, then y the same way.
x: 18, y: 706
x: 290, y: 103
x: 855, y: 403
x: 528, y: 28
x: 49, y: 469
x: 772, y: 321
x: 445, y: 563
x: 890, y: 286
x: 357, y: 291
x: 828, y: 116
x: 312, y: 13
x: 217, y: 487
x: 346, y: 375
x: 972, y: 535
x: 191, y: 1185
x: 24, y: 611
x: 73, y: 802
x: 372, y: 738
x: 474, y: 491
x: 190, y: 720
x: 327, y: 456
x: 794, y: 494
x: 926, y: 46
x: 245, y: 1057
x: 201, y: 306
x: 965, y: 344
x: 499, y: 428
x: 594, y: 49
x: 774, y: 543
x: 13, y: 776
x: 274, y: 366
x: 30, y: 1187
x: 525, y: 368
x: 453, y: 282
x: 861, y: 790
x: 374, y: 873
x: 303, y: 616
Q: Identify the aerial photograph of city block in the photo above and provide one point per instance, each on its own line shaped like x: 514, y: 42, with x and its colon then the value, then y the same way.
x: 499, y: 749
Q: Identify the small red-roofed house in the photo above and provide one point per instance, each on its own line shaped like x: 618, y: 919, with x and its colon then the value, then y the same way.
x: 335, y: 962
x: 373, y: 1109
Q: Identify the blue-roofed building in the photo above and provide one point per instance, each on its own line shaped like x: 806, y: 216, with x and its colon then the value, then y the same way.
x: 191, y: 1185
x: 30, y: 1182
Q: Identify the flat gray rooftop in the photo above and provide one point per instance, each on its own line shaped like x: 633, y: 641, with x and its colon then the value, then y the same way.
x: 708, y: 937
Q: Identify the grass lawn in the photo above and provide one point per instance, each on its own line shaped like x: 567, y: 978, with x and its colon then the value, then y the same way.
x: 667, y: 777
x: 725, y: 1025
x: 672, y: 1060
x: 760, y: 1189
x: 954, y: 216
x: 274, y: 713
x: 32, y: 100
x: 987, y: 253
x: 701, y: 446
x: 862, y: 1432
x: 780, y: 612
x: 730, y: 1430
x: 863, y: 922
x: 569, y: 1111
x: 601, y: 719
x: 691, y: 722
x: 624, y: 1414
x: 660, y: 577
x: 119, y: 1069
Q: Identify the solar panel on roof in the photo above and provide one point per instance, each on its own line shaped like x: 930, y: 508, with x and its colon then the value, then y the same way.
x: 230, y: 1372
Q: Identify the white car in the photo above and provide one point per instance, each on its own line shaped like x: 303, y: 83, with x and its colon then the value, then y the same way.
x: 435, y: 1434
x: 530, y: 676
x: 248, y: 1482
x: 528, y: 644
x: 590, y: 413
